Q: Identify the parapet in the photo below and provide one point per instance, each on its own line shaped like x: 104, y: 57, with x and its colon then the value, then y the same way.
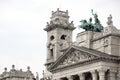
x: 107, y: 41
x: 18, y: 74
x: 59, y: 19
x: 60, y: 13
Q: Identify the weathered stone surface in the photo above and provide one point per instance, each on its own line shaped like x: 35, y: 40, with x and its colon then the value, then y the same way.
x: 92, y: 51
x: 14, y: 74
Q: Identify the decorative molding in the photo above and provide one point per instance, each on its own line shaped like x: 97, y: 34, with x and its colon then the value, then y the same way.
x: 75, y: 57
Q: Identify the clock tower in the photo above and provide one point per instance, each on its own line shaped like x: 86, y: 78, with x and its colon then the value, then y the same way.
x: 59, y: 35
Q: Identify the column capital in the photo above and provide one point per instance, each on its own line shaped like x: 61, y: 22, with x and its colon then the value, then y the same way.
x: 70, y: 77
x: 81, y: 76
x: 113, y: 71
x: 102, y: 71
x: 93, y: 72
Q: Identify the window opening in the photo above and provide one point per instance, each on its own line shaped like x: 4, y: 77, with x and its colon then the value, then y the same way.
x: 63, y: 37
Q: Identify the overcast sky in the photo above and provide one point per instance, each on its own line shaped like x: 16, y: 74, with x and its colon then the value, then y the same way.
x: 22, y: 38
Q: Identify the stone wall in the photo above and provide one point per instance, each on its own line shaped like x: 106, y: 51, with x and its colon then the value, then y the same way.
x: 107, y: 41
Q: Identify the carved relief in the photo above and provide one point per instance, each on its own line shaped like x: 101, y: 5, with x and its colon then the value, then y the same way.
x: 75, y: 57
x: 106, y: 42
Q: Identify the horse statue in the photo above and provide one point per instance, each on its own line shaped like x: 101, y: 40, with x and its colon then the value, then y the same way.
x: 84, y: 24
x: 90, y: 26
x: 87, y: 25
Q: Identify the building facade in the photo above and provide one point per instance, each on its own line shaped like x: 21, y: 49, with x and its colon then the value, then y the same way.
x: 93, y: 56
x: 14, y: 74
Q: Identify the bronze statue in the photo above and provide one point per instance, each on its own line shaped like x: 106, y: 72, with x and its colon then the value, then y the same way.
x: 90, y: 26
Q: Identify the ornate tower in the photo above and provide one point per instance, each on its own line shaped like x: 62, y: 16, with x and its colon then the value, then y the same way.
x: 59, y: 35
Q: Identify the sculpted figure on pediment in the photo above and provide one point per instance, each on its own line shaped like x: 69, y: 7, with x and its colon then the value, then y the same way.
x: 75, y: 57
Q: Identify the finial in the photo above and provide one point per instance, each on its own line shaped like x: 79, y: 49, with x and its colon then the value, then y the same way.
x: 66, y: 11
x: 71, y: 22
x: 37, y: 76
x: 52, y: 12
x: 57, y: 9
x: 20, y: 69
x: 5, y: 69
x: 110, y: 22
x: 28, y: 67
x: 43, y: 72
x: 47, y: 23
x: 92, y: 11
x: 13, y: 66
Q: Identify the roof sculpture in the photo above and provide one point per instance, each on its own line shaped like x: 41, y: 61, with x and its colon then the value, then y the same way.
x: 89, y: 26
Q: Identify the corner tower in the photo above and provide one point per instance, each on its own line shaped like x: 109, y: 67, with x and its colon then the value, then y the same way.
x: 59, y: 35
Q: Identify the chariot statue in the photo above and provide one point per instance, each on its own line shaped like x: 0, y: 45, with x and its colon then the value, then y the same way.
x: 89, y: 26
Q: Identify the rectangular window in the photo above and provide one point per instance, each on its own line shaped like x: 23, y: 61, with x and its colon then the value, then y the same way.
x: 51, y: 52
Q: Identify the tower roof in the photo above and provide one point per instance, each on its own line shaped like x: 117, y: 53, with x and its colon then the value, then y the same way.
x: 60, y: 13
x: 59, y: 19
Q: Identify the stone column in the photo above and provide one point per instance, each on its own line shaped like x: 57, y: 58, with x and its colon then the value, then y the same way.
x: 101, y: 74
x: 112, y: 75
x: 118, y: 75
x: 81, y: 76
x: 70, y: 77
x: 94, y: 75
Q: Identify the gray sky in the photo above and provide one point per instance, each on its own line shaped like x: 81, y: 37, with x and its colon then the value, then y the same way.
x: 22, y: 38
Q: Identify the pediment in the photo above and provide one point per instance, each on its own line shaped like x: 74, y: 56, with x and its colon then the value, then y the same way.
x: 74, y: 57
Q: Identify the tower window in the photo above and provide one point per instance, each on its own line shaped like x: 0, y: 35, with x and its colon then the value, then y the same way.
x: 51, y: 52
x: 63, y: 37
x: 52, y: 37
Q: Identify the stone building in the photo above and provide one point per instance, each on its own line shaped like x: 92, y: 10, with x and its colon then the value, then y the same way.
x: 14, y: 74
x: 93, y: 56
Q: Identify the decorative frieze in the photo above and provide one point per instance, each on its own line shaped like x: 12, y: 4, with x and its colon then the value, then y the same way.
x: 75, y: 57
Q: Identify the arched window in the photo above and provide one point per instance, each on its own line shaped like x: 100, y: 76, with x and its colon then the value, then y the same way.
x: 52, y: 37
x: 51, y: 53
x: 63, y: 37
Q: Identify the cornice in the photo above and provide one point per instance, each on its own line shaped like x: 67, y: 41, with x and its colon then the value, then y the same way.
x: 80, y: 64
x: 99, y: 56
x: 111, y: 34
x: 54, y: 26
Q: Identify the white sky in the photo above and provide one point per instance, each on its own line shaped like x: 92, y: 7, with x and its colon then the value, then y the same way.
x: 22, y: 38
